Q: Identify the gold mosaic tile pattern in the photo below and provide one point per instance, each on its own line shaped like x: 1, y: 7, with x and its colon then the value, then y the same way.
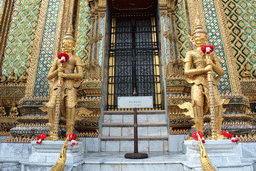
x: 82, y: 31
x: 21, y: 35
x: 216, y: 39
x: 41, y: 86
x: 181, y: 21
x: 242, y: 24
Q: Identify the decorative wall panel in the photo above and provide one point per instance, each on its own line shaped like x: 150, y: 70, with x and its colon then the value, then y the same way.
x: 47, y: 47
x: 215, y: 38
x: 242, y: 24
x: 182, y: 29
x: 21, y: 35
x: 101, y: 42
x: 83, y: 29
x: 165, y: 50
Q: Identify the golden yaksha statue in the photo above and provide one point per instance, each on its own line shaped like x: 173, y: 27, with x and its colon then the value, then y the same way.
x: 196, y: 70
x: 64, y: 84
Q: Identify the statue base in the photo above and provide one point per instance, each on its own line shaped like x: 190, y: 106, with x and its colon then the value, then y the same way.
x: 49, y: 152
x: 46, y: 154
x: 220, y: 152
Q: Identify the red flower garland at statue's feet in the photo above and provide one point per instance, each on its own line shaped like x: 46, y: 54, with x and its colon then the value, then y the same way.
x: 229, y: 135
x: 207, y: 49
x: 72, y: 137
x: 40, y: 138
x: 200, y: 134
x: 233, y: 139
x: 63, y: 57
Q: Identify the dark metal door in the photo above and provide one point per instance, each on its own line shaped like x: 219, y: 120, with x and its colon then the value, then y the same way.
x: 133, y: 40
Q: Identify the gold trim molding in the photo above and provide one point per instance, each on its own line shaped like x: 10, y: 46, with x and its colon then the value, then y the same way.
x: 37, y: 45
x: 230, y: 60
x: 97, y: 6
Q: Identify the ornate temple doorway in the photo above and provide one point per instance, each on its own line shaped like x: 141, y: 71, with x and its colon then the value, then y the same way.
x: 134, y: 56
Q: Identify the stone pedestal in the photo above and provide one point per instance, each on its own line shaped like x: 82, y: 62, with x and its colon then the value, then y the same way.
x: 49, y: 152
x: 220, y: 152
x: 45, y: 155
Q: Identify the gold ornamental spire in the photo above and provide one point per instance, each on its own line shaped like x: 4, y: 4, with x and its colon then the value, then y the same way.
x: 70, y: 10
x: 199, y: 27
x: 69, y: 35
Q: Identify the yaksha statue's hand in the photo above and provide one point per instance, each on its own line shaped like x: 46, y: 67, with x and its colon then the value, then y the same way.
x: 62, y: 75
x: 208, y: 68
x: 60, y: 69
x: 209, y: 62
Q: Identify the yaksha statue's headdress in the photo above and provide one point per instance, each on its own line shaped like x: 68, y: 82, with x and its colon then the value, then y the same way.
x: 69, y: 35
x: 199, y: 27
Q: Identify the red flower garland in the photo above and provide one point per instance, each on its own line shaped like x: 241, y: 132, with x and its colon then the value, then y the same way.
x: 229, y: 135
x: 233, y: 139
x: 63, y: 57
x: 196, y: 137
x: 207, y: 49
x: 40, y: 138
x: 72, y: 137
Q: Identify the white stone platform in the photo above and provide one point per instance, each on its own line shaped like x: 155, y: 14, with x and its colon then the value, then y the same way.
x: 15, y: 157
x: 221, y: 154
x: 117, y: 132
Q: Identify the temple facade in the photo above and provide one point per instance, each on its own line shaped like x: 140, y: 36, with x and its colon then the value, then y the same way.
x: 124, y: 44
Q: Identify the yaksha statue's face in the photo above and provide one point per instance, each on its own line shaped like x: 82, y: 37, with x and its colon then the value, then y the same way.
x: 200, y: 39
x: 68, y: 45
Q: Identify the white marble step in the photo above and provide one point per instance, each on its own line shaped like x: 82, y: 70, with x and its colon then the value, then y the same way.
x: 156, y: 161
x: 156, y: 131
x: 127, y: 144
x: 118, y: 138
x: 151, y: 117
x: 138, y: 112
x: 131, y: 124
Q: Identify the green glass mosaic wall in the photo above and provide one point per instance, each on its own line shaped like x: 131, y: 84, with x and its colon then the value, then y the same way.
x: 46, y: 51
x: 241, y: 15
x: 213, y: 30
x: 83, y: 29
x: 182, y: 29
x: 21, y: 35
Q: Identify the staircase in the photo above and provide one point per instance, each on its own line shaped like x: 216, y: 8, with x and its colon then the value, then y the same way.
x: 118, y: 132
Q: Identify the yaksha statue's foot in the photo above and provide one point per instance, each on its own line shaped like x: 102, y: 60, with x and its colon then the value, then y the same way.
x: 220, y: 137
x: 52, y: 138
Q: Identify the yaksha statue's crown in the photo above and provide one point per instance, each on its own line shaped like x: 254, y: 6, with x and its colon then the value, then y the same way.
x: 69, y: 35
x: 199, y: 27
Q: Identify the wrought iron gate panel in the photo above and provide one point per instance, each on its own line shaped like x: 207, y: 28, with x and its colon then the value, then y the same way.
x: 133, y: 37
